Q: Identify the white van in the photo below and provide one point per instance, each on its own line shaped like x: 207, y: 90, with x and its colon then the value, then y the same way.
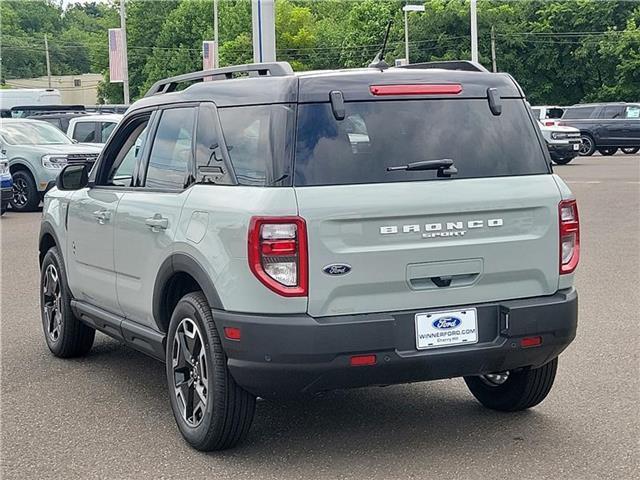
x: 14, y: 97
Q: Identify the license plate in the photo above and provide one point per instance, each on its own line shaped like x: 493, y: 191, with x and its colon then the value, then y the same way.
x: 576, y: 146
x: 446, y: 328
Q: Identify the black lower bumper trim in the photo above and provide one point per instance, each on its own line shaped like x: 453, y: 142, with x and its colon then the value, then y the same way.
x: 296, y: 354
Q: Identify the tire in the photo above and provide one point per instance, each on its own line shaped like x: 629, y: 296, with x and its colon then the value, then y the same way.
x: 630, y: 150
x: 588, y: 145
x: 522, y: 389
x: 563, y: 160
x: 607, y: 152
x: 26, y: 197
x: 224, y: 411
x: 66, y: 336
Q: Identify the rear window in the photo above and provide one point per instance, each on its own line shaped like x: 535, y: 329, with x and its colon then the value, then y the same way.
x: 578, y: 112
x: 381, y: 134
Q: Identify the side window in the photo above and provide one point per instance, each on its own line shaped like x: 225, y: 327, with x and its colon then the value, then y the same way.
x: 128, y: 153
x: 85, y: 132
x: 613, y: 111
x: 105, y: 130
x: 209, y: 153
x: 578, y: 112
x: 632, y: 111
x: 172, y: 150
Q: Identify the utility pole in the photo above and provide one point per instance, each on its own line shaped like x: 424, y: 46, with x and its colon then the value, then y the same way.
x: 493, y: 48
x: 406, y: 36
x: 474, y: 31
x: 216, y: 60
x: 46, y: 51
x: 125, y: 62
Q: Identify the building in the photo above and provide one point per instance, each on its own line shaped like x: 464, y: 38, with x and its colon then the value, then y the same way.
x: 74, y: 89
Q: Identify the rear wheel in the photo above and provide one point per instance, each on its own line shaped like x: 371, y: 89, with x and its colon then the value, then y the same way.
x: 212, y: 412
x: 587, y: 145
x: 607, y: 151
x: 66, y: 336
x: 630, y: 150
x: 26, y: 197
x: 513, y: 391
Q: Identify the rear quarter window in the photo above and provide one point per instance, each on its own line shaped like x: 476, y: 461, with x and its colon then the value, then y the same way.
x: 380, y: 134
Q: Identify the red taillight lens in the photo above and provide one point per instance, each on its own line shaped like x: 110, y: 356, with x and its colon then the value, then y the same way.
x: 527, y: 342
x: 549, y: 123
x: 420, y: 89
x: 362, y: 360
x: 232, y: 333
x: 278, y: 254
x: 569, y: 236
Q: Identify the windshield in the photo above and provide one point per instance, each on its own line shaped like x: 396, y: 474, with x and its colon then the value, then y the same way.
x: 32, y: 133
x: 377, y: 135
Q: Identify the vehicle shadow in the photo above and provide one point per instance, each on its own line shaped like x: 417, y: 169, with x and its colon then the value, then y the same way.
x: 370, y: 422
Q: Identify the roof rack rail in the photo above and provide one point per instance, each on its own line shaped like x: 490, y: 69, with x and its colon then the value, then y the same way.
x: 273, y: 69
x: 466, y: 65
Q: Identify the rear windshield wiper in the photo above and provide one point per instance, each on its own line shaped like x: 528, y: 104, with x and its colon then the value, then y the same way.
x: 444, y: 166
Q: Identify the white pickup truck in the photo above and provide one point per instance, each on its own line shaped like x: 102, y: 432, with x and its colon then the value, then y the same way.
x: 92, y: 128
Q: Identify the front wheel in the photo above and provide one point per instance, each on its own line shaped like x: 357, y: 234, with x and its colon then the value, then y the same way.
x: 607, y: 152
x: 587, y: 146
x: 563, y: 160
x: 513, y: 391
x: 26, y: 197
x: 630, y: 150
x: 211, y: 411
x: 66, y: 336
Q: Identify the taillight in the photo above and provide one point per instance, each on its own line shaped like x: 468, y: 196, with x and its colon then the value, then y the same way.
x: 417, y: 89
x: 569, y: 236
x: 549, y: 123
x: 278, y: 254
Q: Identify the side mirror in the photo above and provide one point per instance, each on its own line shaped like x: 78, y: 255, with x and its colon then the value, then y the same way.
x: 73, y: 177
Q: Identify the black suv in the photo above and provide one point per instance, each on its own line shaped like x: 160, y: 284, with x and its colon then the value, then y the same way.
x: 605, y: 127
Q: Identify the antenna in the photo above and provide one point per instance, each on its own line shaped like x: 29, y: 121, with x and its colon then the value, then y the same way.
x: 378, y: 60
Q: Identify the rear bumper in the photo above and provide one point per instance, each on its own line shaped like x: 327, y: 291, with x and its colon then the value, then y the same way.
x: 290, y: 355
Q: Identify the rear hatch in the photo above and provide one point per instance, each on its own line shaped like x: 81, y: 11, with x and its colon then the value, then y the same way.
x: 405, y: 239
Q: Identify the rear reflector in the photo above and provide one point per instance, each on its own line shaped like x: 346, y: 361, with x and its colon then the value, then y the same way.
x: 363, y: 360
x: 420, y: 89
x: 232, y: 333
x: 569, y: 236
x: 530, y: 342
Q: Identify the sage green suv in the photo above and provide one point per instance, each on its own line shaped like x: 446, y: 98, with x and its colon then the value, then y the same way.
x: 269, y: 234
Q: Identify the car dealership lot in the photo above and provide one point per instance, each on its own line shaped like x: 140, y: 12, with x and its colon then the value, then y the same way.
x: 108, y: 416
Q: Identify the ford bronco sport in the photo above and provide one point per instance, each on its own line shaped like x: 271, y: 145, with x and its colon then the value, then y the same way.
x: 269, y: 234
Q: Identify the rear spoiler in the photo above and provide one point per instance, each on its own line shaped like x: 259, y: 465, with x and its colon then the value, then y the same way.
x: 466, y: 65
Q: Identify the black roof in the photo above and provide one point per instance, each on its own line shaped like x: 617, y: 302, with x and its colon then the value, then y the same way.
x: 287, y: 87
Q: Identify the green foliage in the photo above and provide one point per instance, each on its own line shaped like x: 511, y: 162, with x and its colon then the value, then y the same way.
x: 561, y: 51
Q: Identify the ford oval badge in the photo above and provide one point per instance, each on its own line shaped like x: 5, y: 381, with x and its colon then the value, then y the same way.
x: 337, y: 269
x: 445, y: 323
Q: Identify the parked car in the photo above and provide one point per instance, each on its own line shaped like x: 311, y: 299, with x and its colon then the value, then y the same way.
x: 232, y: 230
x: 37, y: 151
x: 92, y: 128
x: 605, y: 127
x: 6, y: 183
x: 563, y: 142
x: 547, y: 114
x: 60, y: 120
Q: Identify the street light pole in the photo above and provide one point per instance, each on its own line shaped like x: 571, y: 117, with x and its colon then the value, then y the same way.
x: 406, y: 9
x: 474, y: 31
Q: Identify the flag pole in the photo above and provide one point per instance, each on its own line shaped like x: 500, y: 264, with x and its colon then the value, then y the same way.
x: 125, y: 63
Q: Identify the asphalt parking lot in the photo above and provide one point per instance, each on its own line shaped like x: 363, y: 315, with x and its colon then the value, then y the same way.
x: 108, y: 415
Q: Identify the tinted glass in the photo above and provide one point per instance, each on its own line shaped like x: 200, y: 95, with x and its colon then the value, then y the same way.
x: 578, y: 112
x: 105, y: 130
x: 377, y: 135
x: 85, y: 132
x: 259, y: 140
x: 613, y: 111
x: 32, y: 133
x: 171, y: 153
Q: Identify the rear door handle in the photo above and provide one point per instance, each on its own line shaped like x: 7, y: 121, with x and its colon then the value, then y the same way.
x: 157, y: 223
x: 102, y: 216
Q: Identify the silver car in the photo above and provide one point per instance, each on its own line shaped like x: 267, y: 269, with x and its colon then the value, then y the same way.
x: 37, y: 151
